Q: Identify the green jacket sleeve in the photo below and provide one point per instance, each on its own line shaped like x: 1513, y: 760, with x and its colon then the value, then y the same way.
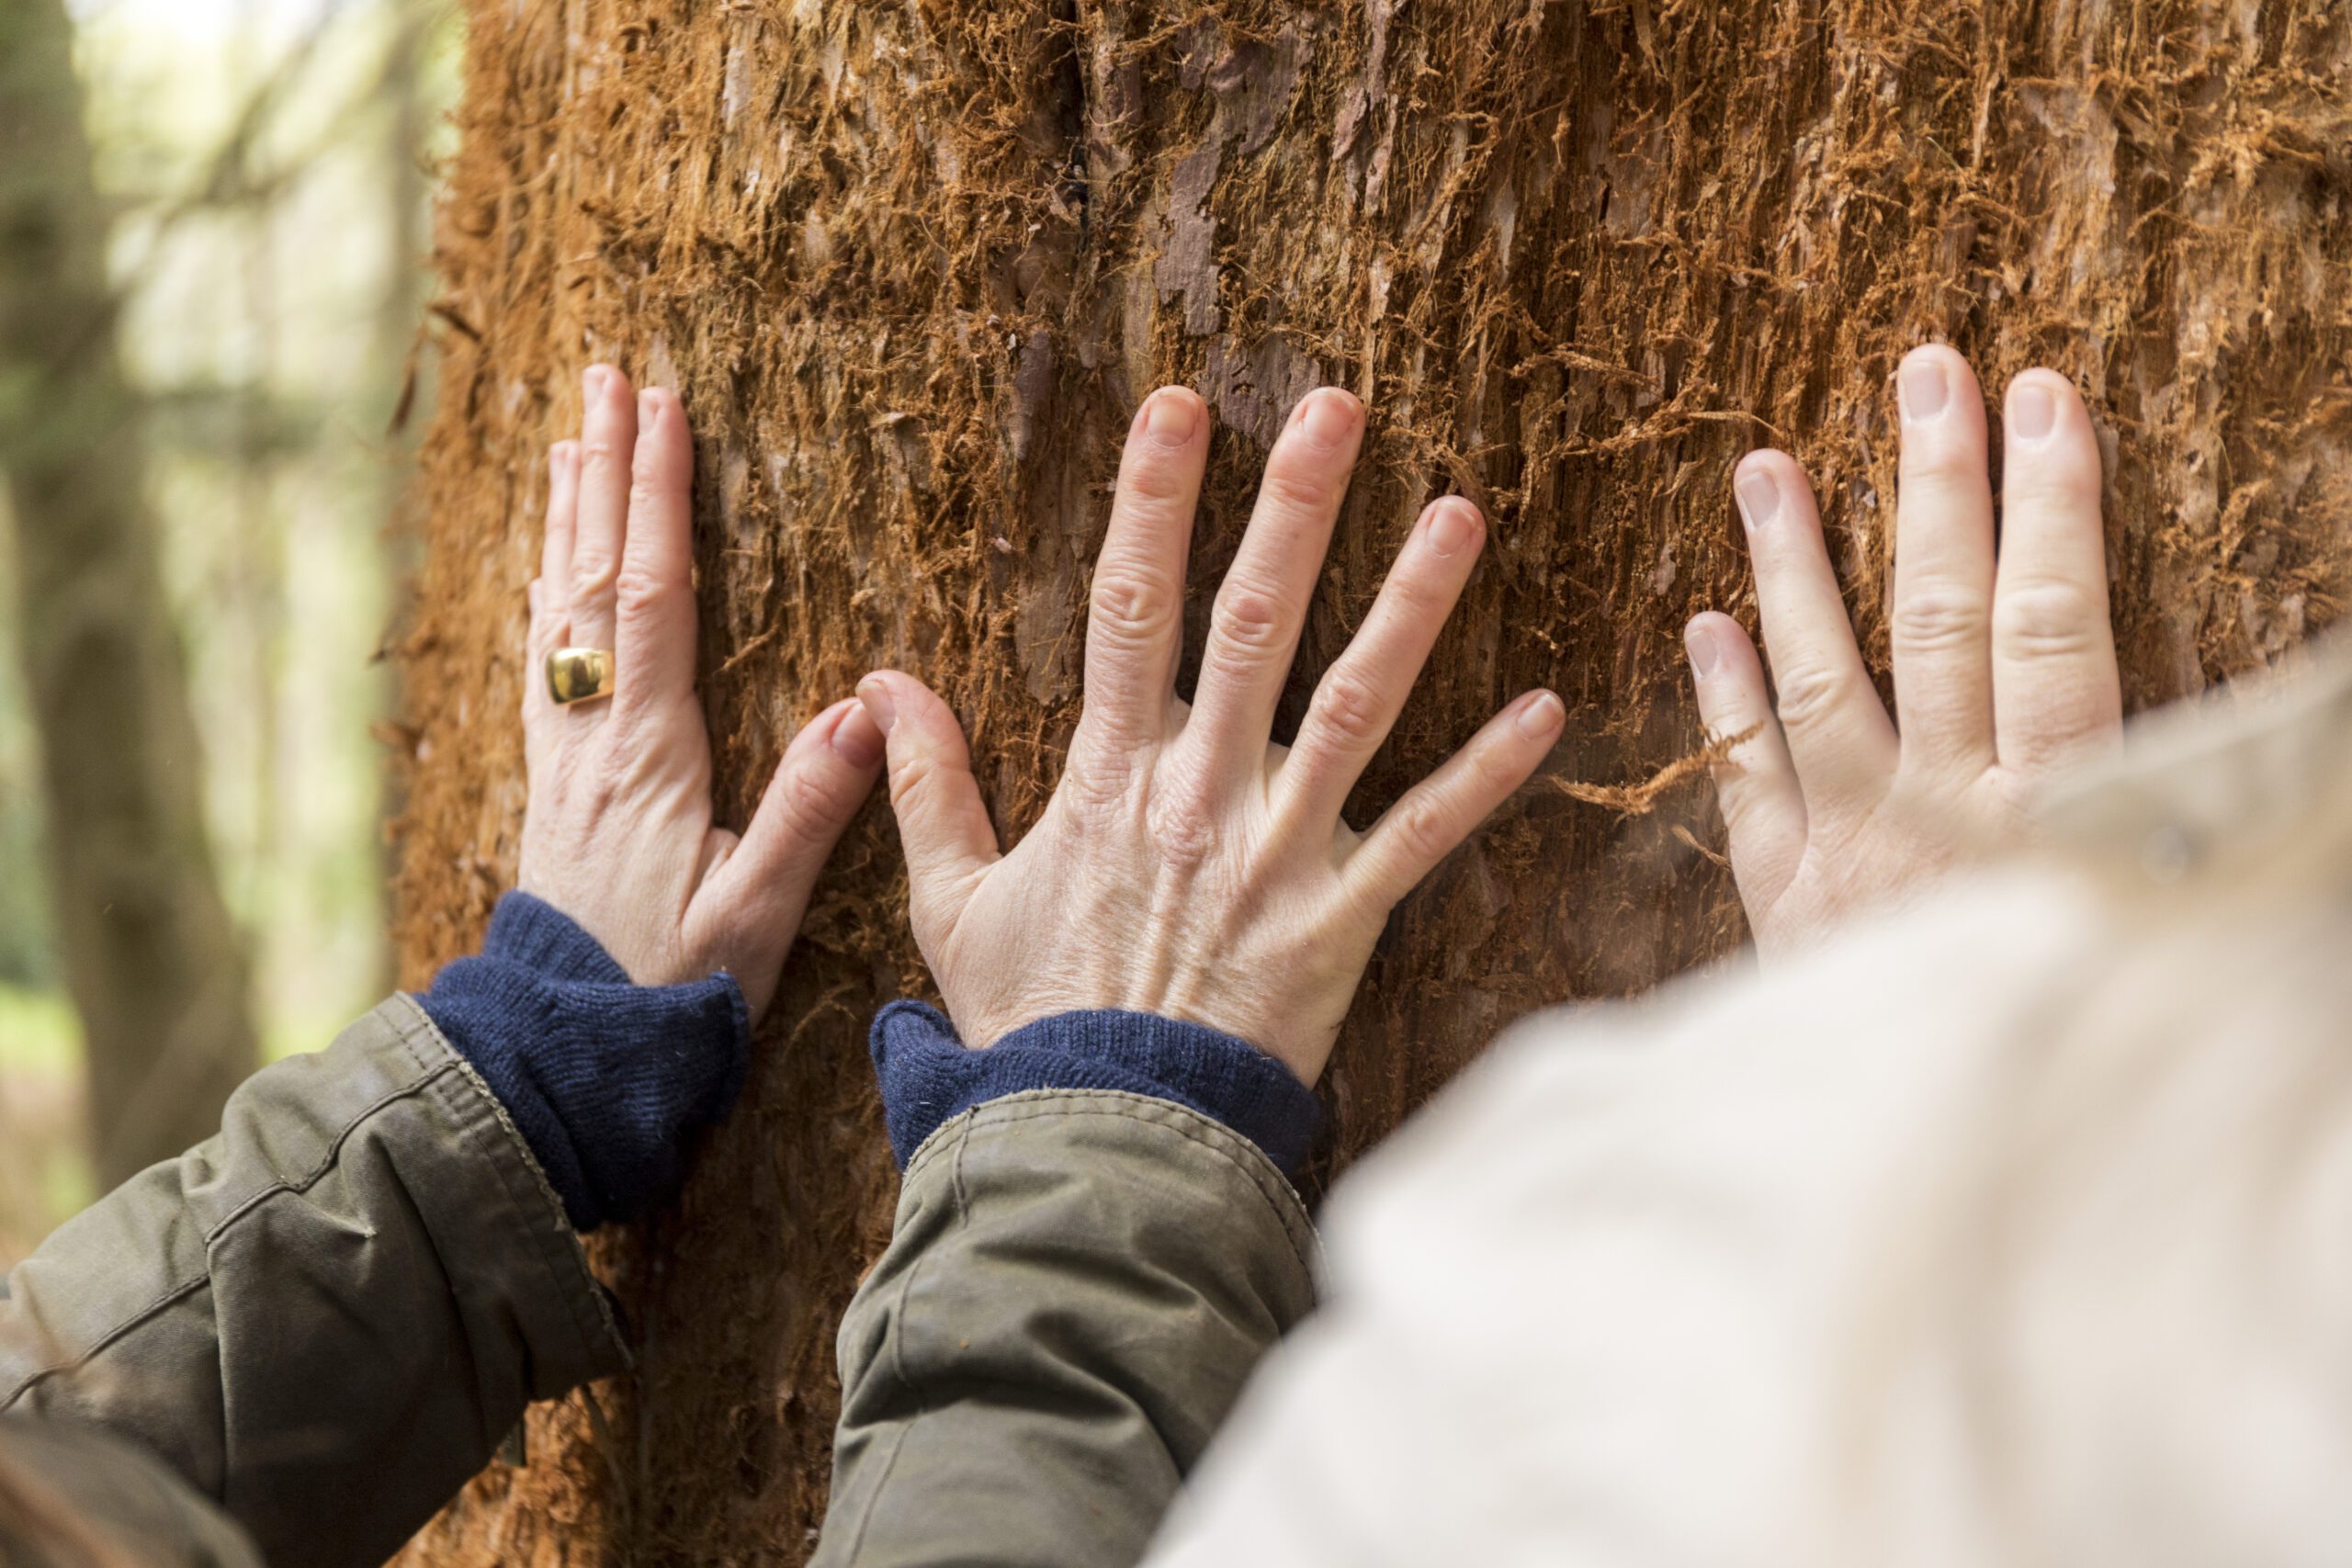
x: 1079, y: 1284
x: 327, y: 1317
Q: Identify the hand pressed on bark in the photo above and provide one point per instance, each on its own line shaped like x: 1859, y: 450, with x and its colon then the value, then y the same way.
x: 2004, y: 661
x: 1187, y: 866
x: 618, y: 832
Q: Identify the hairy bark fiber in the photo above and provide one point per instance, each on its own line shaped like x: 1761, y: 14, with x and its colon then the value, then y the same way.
x: 913, y: 266
x: 154, y: 965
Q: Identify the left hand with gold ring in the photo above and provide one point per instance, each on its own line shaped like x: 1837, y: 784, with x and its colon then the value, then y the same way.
x: 618, y: 833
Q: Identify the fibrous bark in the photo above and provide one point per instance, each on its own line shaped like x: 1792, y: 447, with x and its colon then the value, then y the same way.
x: 911, y: 266
x: 154, y: 965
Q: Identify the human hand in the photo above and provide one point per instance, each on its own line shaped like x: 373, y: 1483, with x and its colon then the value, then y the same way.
x: 1185, y: 866
x: 2004, y: 670
x: 617, y: 833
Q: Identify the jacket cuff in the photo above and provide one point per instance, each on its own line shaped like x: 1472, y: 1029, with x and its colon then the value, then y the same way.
x: 604, y: 1079
x: 929, y: 1075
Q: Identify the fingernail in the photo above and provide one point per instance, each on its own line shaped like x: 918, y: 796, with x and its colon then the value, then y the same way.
x: 649, y: 409
x: 1170, y: 417
x: 1453, y: 527
x: 1331, y: 416
x: 1759, y: 498
x: 593, y: 382
x: 2033, y: 413
x: 1699, y: 642
x: 875, y: 694
x: 854, y: 739
x: 1540, y: 715
x: 1924, y: 392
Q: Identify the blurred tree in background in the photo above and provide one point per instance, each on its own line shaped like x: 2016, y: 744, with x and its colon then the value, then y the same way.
x: 155, y: 969
x: 253, y: 239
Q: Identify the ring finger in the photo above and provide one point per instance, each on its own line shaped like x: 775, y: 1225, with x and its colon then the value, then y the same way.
x: 550, y: 591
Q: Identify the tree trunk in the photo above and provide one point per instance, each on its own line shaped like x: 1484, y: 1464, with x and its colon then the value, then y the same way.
x: 913, y: 266
x: 155, y: 967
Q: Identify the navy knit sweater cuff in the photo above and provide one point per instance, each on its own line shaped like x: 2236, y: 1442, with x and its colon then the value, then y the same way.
x: 604, y: 1078
x: 928, y: 1075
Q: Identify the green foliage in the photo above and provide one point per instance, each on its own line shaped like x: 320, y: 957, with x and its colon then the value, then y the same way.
x: 25, y: 955
x: 38, y: 1035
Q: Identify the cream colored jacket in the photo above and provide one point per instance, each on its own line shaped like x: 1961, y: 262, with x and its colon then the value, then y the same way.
x: 2015, y: 1228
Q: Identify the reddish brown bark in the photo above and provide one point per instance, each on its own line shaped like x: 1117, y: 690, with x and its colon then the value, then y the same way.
x: 913, y: 266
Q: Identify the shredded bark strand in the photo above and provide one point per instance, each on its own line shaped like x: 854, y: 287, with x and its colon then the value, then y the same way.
x: 1641, y: 799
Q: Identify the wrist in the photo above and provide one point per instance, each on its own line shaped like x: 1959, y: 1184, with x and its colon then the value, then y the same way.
x: 928, y: 1075
x: 530, y: 930
x: 1267, y: 1020
x: 607, y: 1080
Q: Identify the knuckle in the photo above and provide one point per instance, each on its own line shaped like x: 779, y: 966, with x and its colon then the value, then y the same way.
x: 1131, y: 607
x: 1941, y: 464
x: 1250, y: 618
x: 593, y: 570
x: 637, y: 592
x: 1937, y: 618
x: 2050, y: 619
x: 1289, y: 486
x: 1811, y: 694
x: 1154, y: 479
x: 920, y: 781
x: 647, y: 483
x: 1425, y: 829
x: 2068, y: 473
x: 1094, y: 782
x: 1419, y: 594
x: 602, y: 452
x: 812, y: 802
x: 911, y: 780
x: 1183, y: 824
x: 1493, y: 767
x: 1736, y: 795
x: 2058, y: 481
x: 1348, y: 710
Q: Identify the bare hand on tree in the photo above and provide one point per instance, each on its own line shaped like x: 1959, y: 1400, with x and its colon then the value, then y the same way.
x: 1186, y: 866
x: 618, y: 832
x: 2004, y: 667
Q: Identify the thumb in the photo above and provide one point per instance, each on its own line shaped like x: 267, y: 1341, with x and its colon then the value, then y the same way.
x: 942, y: 822
x: 761, y: 886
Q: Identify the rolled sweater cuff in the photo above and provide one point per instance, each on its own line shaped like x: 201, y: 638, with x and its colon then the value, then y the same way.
x: 605, y: 1079
x: 928, y: 1075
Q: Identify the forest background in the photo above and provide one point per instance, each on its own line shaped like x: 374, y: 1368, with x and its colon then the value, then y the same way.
x: 265, y: 167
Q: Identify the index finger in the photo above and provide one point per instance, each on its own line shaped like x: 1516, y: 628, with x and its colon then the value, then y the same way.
x: 1837, y: 731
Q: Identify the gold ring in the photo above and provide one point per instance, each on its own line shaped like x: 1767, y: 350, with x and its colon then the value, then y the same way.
x: 579, y: 675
